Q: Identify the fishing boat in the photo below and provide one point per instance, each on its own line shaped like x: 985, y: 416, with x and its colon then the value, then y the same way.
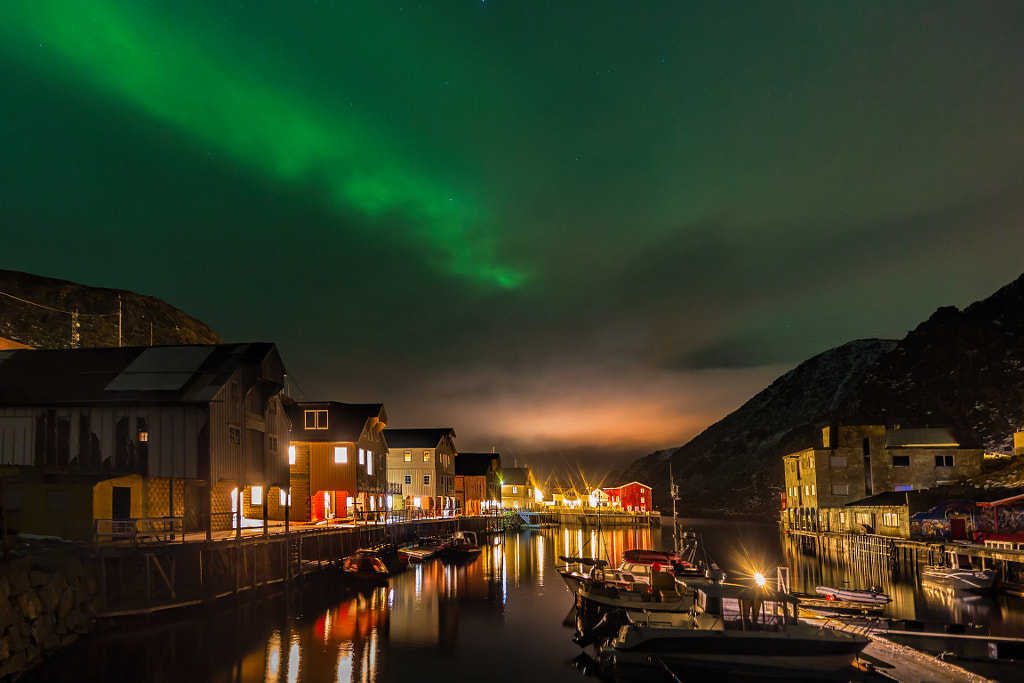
x: 956, y: 571
x: 366, y: 564
x: 462, y: 545
x: 423, y: 550
x: 873, y: 596
x: 735, y: 628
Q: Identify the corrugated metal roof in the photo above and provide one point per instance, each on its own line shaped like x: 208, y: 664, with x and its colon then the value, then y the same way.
x: 184, y: 373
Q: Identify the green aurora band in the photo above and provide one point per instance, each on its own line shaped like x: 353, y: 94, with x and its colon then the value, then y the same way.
x: 160, y: 69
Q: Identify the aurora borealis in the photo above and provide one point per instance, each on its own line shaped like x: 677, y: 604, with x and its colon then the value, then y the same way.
x: 571, y: 231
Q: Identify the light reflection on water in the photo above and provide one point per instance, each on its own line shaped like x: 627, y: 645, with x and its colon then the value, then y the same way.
x: 501, y: 613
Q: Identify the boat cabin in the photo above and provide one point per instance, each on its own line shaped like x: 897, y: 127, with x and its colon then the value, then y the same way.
x: 746, y: 608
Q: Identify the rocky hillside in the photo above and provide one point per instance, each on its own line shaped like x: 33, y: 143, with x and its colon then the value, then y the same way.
x: 732, y: 467
x: 35, y: 311
x: 961, y: 369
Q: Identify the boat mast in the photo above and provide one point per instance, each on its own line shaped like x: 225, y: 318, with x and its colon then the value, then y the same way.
x: 674, y: 492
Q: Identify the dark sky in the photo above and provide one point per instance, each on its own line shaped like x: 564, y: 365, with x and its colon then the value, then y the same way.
x: 576, y: 232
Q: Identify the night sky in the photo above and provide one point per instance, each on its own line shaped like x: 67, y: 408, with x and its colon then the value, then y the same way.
x: 576, y: 232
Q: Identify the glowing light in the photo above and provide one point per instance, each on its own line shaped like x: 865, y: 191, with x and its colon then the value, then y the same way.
x: 168, y: 71
x: 759, y: 579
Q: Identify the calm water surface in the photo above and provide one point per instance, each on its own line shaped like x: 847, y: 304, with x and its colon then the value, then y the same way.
x: 501, y: 617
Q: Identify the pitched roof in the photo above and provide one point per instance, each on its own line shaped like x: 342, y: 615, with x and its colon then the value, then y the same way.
x: 345, y: 421
x: 515, y: 476
x: 417, y: 438
x: 136, y: 374
x: 473, y: 464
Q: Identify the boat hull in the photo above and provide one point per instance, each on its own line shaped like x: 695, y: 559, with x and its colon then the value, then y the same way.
x: 975, y: 580
x: 848, y: 595
x: 779, y: 651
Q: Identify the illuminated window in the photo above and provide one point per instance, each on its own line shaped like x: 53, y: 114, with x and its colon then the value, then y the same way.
x: 291, y: 455
x: 144, y: 436
x: 341, y: 454
x: 426, y: 456
x: 416, y: 502
x: 408, y: 456
x: 257, y: 495
x: 369, y: 463
x: 362, y: 456
x: 426, y: 480
x: 286, y: 498
x: 408, y: 480
x: 316, y: 419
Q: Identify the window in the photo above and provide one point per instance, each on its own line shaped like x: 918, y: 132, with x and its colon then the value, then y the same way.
x: 904, y: 487
x: 943, y: 460
x: 837, y: 461
x: 273, y: 444
x: 316, y: 419
x: 408, y: 480
x: 234, y: 435
x: 291, y: 455
x: 890, y: 519
x: 341, y: 454
x: 286, y: 498
x: 426, y: 480
x: 840, y: 489
x: 426, y: 456
x: 362, y: 456
x: 515, y: 489
x: 257, y: 495
x: 864, y: 518
x: 901, y: 461
x: 369, y: 463
x: 842, y: 518
x: 408, y: 456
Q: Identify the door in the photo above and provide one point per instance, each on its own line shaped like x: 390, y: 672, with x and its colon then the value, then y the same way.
x: 958, y: 529
x: 121, y: 502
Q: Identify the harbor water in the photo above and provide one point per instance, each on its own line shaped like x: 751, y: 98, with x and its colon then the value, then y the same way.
x: 505, y: 615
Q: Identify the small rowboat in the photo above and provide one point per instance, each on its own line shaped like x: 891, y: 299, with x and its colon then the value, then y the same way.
x: 874, y: 596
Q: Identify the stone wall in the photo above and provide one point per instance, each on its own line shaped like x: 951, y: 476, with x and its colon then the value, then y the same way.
x: 44, y: 606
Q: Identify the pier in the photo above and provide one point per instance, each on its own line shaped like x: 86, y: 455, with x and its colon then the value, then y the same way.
x: 887, y: 555
x: 135, y: 579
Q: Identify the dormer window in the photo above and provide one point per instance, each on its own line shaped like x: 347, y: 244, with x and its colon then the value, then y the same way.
x: 316, y: 419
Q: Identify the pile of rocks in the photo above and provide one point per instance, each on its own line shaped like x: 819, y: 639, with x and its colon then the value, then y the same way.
x: 44, y: 605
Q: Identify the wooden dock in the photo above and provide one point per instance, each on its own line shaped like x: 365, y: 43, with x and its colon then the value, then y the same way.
x: 141, y: 580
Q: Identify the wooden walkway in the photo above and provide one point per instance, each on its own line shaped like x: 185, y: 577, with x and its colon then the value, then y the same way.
x: 149, y: 578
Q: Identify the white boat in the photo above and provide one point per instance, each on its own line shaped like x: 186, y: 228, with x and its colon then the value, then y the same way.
x: 736, y: 628
x: 956, y: 571
x: 873, y: 596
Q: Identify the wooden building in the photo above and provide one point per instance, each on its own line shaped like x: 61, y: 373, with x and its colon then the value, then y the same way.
x: 518, y: 489
x: 477, y: 482
x: 422, y: 462
x: 103, y: 440
x: 631, y: 497
x: 337, y: 460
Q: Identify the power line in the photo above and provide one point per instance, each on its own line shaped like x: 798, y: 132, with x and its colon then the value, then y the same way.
x: 58, y: 310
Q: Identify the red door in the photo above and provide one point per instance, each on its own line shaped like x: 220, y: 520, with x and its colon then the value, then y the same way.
x: 958, y: 529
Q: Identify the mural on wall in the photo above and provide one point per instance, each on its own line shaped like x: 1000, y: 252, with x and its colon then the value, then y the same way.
x: 934, y: 523
x: 1002, y: 519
